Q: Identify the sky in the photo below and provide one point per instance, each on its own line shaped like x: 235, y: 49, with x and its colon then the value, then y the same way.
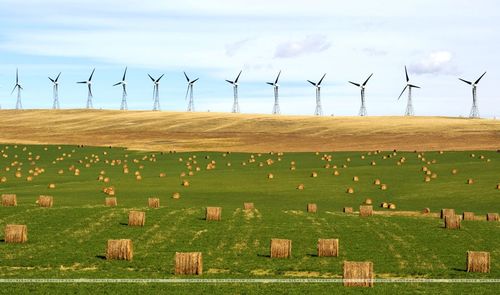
x: 439, y: 42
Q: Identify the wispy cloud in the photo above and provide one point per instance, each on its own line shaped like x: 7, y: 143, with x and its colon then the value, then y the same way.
x: 437, y: 62
x: 233, y: 48
x: 311, y: 44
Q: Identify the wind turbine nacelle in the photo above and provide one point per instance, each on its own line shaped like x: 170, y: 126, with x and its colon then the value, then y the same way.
x: 89, y: 82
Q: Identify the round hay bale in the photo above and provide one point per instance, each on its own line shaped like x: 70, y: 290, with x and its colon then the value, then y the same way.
x: 377, y: 181
x: 384, y: 205
x: 328, y: 247
x: 110, y: 202
x: 29, y: 178
x: 428, y: 172
x: 355, y: 178
x: 392, y: 206
x: 270, y: 176
x: 426, y: 211
x: 478, y: 261
x: 281, y: 248
x: 119, y: 250
x: 427, y: 179
x: 470, y: 181
x: 312, y: 208
x: 314, y: 174
x: 162, y: 174
x: 185, y: 183
x: 176, y: 196
x: 300, y: 186
x: 350, y: 190
x: 347, y: 210
x: 188, y: 263
x: 138, y: 177
x: 434, y: 176
x: 154, y: 203
x: 358, y: 274
x: 292, y: 168
x: 424, y: 168
x: 213, y: 213
x: 498, y: 186
x: 106, y: 179
x: 45, y: 201
x: 336, y: 173
x: 52, y: 185
x: 373, y: 163
x: 368, y: 201
x: 136, y: 218
x: 3, y: 179
x: 16, y: 233
x: 60, y: 171
x: 383, y: 186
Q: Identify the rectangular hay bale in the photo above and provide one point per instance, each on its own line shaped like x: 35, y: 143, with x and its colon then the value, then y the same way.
x: 452, y: 222
x: 347, y: 210
x: 447, y: 212
x: 188, y: 263
x: 16, y: 233
x: 358, y: 274
x: 468, y: 216
x: 119, y: 249
x: 248, y: 206
x: 492, y: 217
x: 478, y: 261
x: 312, y: 208
x: 328, y: 247
x: 45, y: 201
x: 154, y: 203
x: 136, y: 218
x: 365, y: 210
x: 281, y: 248
x: 213, y: 213
x: 9, y: 200
x: 111, y: 202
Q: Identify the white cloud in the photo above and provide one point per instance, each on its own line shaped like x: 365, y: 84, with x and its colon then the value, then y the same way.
x: 437, y: 62
x: 311, y: 44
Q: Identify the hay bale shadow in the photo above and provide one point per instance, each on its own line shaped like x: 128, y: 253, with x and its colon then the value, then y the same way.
x: 103, y: 257
x: 264, y: 255
x: 459, y: 269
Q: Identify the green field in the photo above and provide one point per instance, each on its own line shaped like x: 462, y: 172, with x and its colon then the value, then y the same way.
x: 69, y: 239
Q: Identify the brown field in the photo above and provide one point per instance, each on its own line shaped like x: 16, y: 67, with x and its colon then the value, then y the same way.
x: 146, y: 130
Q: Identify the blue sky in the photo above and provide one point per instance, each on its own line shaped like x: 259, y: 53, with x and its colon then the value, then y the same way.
x: 439, y: 41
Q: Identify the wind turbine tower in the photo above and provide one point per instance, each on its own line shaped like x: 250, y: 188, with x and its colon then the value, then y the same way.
x: 409, y: 105
x: 19, y: 105
x: 474, y: 112
x: 189, y: 92
x: 156, y: 92
x: 319, y: 110
x: 276, y: 108
x: 55, y: 91
x: 362, y: 109
x: 123, y: 105
x: 89, y: 85
x: 236, y: 106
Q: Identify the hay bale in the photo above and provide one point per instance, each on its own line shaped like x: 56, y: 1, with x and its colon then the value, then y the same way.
x: 498, y: 185
x: 162, y: 174
x: 358, y: 274
x: 45, y: 201
x: 176, y: 196
x: 312, y: 208
x: 248, y: 206
x: 384, y: 205
x: 16, y: 233
x: 213, y: 213
x: 154, y: 203
x: 368, y: 201
x: 383, y: 186
x: 468, y: 216
x: 185, y: 183
x: 427, y: 179
x: 426, y: 211
x: 454, y: 171
x: 377, y: 181
x: 314, y: 174
x: 281, y: 248
x: 470, y: 181
x: 373, y: 163
x: 3, y: 179
x: 270, y: 176
x: 392, y: 206
x: 478, y: 261
x: 110, y: 202
x: 52, y: 185
x: 119, y: 249
x: 452, y: 222
x: 188, y: 263
x: 328, y: 247
x: 355, y: 178
x: 347, y: 210
x: 9, y: 200
x: 336, y: 173
x: 447, y: 212
x: 365, y: 210
x: 136, y: 218
x: 300, y: 186
x: 492, y: 217
x: 350, y: 190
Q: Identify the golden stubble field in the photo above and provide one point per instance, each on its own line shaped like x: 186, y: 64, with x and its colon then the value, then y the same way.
x: 181, y: 131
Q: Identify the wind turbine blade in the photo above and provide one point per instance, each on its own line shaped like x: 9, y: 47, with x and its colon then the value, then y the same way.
x: 355, y: 84
x: 413, y: 86
x: 314, y: 84
x: 277, y: 78
x: 51, y: 79
x: 270, y: 83
x: 57, y: 78
x: 195, y: 80
x: 124, y: 74
x: 406, y: 72
x: 321, y: 80
x: 125, y: 89
x: 151, y: 78
x: 229, y: 81
x: 116, y: 84
x: 90, y: 78
x: 402, y: 92
x: 82, y: 82
x: 90, y: 90
x: 477, y: 81
x: 470, y: 83
x: 158, y: 80
x: 367, y: 79
x: 236, y: 81
x: 17, y: 76
x: 13, y: 89
x: 186, y: 77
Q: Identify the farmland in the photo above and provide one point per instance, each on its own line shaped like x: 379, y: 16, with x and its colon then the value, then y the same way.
x: 69, y: 239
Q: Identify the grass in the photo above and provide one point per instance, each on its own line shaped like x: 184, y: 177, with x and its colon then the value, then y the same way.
x: 68, y: 240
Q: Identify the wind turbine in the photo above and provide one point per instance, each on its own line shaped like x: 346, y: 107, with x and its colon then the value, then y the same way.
x: 19, y: 105
x: 409, y: 105
x: 276, y: 108
x: 318, y: 111
x: 123, y: 105
x: 190, y: 92
x: 89, y: 84
x: 156, y: 92
x: 362, y: 110
x: 474, y: 112
x: 55, y: 90
x: 236, y: 106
